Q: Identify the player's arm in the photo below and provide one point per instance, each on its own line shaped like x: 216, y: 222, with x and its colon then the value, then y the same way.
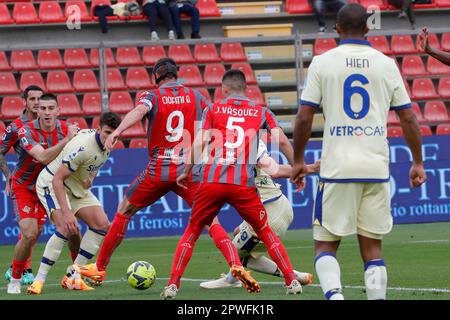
x: 277, y: 171
x: 442, y: 56
x: 279, y: 137
x: 9, y: 138
x: 69, y: 221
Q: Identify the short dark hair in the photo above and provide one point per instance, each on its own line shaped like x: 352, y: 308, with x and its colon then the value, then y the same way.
x: 110, y: 119
x: 235, y: 79
x: 165, y: 68
x: 48, y: 97
x: 31, y: 88
x: 352, y: 19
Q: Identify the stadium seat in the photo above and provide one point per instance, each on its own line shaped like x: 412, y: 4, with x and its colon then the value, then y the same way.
x: 255, y: 95
x: 181, y: 53
x: 120, y: 102
x: 69, y: 10
x: 76, y: 58
x: 218, y: 94
x: 213, y: 74
x: 432, y: 40
x: 85, y: 80
x: 128, y: 56
x: 425, y: 130
x: 435, y: 67
x: 12, y: 107
x: 402, y: 44
x: 138, y: 143
x: 231, y: 52
x: 445, y: 41
x: 323, y: 45
x: 408, y: 88
x: 151, y: 54
x: 50, y: 11
x: 443, y: 129
x: 136, y: 131
x: 58, y: 81
x: 92, y: 104
x: 50, y: 59
x: 435, y: 111
x: 208, y: 8
x: 138, y: 78
x: 23, y: 60
x: 31, y: 78
x: 115, y: 80
x: 190, y: 76
x: 24, y: 13
x: 298, y: 6
x: 78, y: 121
x: 204, y: 92
x: 423, y: 89
x: 119, y: 145
x: 380, y: 43
x: 8, y: 84
x: 206, y: 52
x: 442, y: 3
x: 95, y: 122
x: 413, y: 66
x: 247, y: 70
x: 378, y: 3
x: 394, y: 132
x: 5, y: 16
x: 418, y: 113
x: 69, y: 105
x: 392, y: 118
x: 444, y: 88
x: 110, y: 61
x: 4, y: 64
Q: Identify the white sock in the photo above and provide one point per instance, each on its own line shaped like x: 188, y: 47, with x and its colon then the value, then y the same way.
x: 90, y: 243
x: 375, y: 278
x: 261, y: 264
x: 329, y: 274
x: 51, y: 254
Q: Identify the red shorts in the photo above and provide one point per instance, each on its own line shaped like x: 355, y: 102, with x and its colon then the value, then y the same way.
x: 26, y: 204
x: 211, y: 197
x: 144, y: 191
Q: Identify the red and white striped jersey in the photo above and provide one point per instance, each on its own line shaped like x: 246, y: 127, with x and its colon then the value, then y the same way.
x: 10, y: 138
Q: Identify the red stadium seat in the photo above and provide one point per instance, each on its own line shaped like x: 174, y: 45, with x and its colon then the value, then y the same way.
x: 128, y: 57
x: 23, y: 60
x: 2, y: 127
x: 408, y: 89
x: 78, y: 121
x: 115, y: 80
x: 181, y: 53
x: 445, y: 41
x: 151, y: 54
x: 204, y: 92
x: 208, y: 8
x: 418, y: 113
x: 442, y: 3
x: 378, y: 3
x: 8, y: 84
x: 110, y: 61
x: 432, y: 40
x: 12, y: 107
x: 206, y: 52
x: 436, y: 67
x: 254, y: 94
x: 213, y: 74
x: 138, y: 143
x: 218, y: 94
x: 435, y: 111
x: 443, y: 129
x: 423, y: 89
x: 4, y: 64
x: 402, y: 44
x: 58, y: 81
x: 380, y: 43
x: 231, y: 52
x: 392, y: 118
x: 190, y: 76
x: 69, y: 105
x: 136, y: 131
x: 95, y: 122
x: 444, y: 88
x: 425, y: 130
x: 50, y: 11
x: 71, y: 10
x: 298, y: 6
x: 247, y: 70
x: 76, y: 58
x: 323, y: 45
x: 120, y: 102
x: 24, y: 13
x: 50, y: 59
x: 92, y: 104
x: 138, y: 78
x: 31, y: 78
x: 394, y: 132
x: 85, y: 80
x: 5, y: 16
x: 119, y: 145
x: 413, y: 66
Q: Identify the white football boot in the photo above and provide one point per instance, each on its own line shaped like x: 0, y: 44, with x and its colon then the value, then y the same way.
x: 222, y: 282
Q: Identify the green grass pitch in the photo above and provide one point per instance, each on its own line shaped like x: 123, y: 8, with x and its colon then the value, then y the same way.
x: 417, y: 258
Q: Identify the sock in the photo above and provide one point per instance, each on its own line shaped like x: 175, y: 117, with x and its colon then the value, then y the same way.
x: 17, y: 269
x: 230, y: 278
x: 262, y: 264
x: 90, y: 243
x: 329, y: 273
x: 183, y: 254
x: 375, y: 278
x: 112, y: 240
x: 224, y: 244
x: 51, y: 254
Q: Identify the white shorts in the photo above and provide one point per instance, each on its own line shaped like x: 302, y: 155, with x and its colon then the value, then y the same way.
x: 280, y: 216
x: 342, y: 209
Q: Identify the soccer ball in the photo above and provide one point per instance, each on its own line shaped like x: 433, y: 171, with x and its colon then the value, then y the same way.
x: 141, y: 275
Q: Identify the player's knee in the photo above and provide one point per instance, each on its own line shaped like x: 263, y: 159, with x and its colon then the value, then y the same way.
x: 30, y: 235
x: 127, y: 209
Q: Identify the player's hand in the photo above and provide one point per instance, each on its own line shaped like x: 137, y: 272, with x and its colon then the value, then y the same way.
x: 111, y: 140
x: 182, y: 180
x: 299, y: 170
x: 417, y: 175
x: 423, y: 38
x: 69, y: 222
x: 8, y: 185
x: 313, y: 168
x: 72, y: 131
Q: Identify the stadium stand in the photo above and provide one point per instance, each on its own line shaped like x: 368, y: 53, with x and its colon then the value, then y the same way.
x: 75, y: 58
x: 50, y: 59
x: 213, y: 74
x: 4, y: 63
x: 29, y: 78
x: 92, y: 104
x: 69, y: 105
x: 58, y: 81
x: 8, y: 84
x: 50, y: 11
x: 78, y: 121
x: 138, y: 143
x: 12, y: 107
x: 151, y: 54
x: 23, y: 60
x: 231, y: 52
x: 85, y: 80
x: 138, y: 78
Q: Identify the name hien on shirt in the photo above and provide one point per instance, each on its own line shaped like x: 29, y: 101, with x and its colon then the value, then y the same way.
x: 357, y: 63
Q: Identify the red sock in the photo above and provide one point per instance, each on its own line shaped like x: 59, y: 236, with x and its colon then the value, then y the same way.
x: 17, y: 268
x: 112, y: 240
x: 278, y: 253
x: 183, y: 254
x: 224, y: 244
x: 73, y: 255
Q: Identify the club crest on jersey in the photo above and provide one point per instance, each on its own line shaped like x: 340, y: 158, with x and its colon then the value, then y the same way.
x: 8, y: 129
x: 4, y: 136
x: 26, y: 209
x: 74, y: 154
x: 262, y: 213
x: 22, y: 130
x: 24, y: 141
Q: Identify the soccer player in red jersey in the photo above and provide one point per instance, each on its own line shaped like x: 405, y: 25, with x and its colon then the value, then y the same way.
x: 231, y: 128
x: 172, y: 111
x: 40, y: 141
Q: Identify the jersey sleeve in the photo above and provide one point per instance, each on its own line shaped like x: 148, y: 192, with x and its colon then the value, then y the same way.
x: 262, y: 150
x: 27, y: 139
x: 147, y: 98
x: 74, y: 156
x: 312, y: 94
x: 269, y: 120
x: 206, y: 119
x: 9, y: 138
x: 400, y: 99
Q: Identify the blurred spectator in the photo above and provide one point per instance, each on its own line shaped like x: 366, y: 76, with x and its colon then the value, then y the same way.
x: 104, y: 8
x: 322, y: 6
x: 406, y: 7
x: 158, y: 8
x: 177, y: 7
